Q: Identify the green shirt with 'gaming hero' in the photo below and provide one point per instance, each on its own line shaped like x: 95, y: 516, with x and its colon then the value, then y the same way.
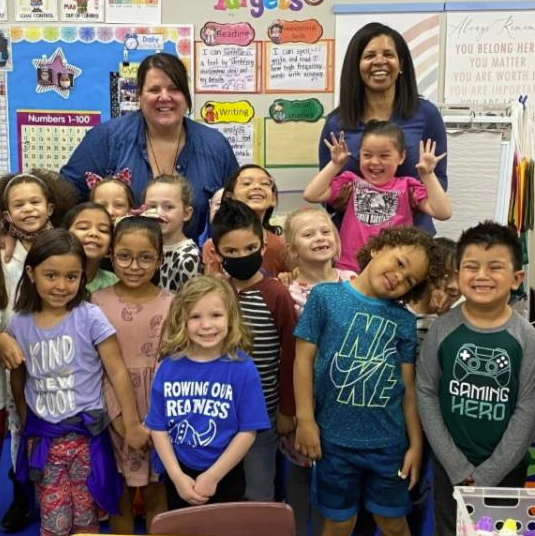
x: 476, y: 395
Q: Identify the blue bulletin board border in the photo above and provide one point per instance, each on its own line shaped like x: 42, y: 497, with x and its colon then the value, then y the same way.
x: 85, y: 54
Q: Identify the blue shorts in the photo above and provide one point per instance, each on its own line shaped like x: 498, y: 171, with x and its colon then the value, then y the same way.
x: 345, y: 478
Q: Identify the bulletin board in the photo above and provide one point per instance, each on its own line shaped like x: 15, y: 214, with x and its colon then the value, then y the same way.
x: 59, y: 84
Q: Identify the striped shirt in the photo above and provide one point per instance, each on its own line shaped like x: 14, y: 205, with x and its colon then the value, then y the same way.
x: 268, y: 310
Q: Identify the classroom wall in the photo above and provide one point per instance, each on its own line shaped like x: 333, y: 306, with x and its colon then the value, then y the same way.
x: 174, y: 12
x: 290, y: 180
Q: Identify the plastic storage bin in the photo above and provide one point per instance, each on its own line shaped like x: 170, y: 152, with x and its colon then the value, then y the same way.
x: 473, y: 504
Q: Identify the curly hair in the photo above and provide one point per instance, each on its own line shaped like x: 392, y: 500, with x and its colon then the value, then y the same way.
x: 406, y: 236
x: 175, y: 340
x: 56, y: 190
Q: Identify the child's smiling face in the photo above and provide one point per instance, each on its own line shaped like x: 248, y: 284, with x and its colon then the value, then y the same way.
x: 112, y: 196
x: 379, y: 159
x: 28, y: 208
x: 167, y: 200
x: 393, y: 271
x: 487, y: 275
x: 256, y: 189
x: 315, y: 239
x: 92, y: 228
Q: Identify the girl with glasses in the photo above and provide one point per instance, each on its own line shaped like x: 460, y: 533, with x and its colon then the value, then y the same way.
x: 136, y: 308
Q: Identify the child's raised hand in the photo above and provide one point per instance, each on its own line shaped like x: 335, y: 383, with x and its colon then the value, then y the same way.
x: 205, y: 484
x: 185, y: 487
x: 428, y: 159
x: 338, y: 147
x: 411, y: 466
x: 307, y: 439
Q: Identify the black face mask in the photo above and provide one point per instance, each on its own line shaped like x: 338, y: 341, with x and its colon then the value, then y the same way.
x: 243, y: 268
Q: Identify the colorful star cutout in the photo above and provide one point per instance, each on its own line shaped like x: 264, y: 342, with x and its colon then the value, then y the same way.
x: 55, y: 65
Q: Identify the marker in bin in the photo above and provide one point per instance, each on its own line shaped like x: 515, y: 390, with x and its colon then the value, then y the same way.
x: 485, y: 527
x: 508, y: 528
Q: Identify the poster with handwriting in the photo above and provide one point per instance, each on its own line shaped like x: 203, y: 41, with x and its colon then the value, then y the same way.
x: 3, y: 10
x: 241, y: 138
x: 299, y: 67
x: 490, y: 56
x: 227, y: 68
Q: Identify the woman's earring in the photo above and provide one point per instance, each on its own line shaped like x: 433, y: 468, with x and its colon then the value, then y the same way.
x: 400, y: 72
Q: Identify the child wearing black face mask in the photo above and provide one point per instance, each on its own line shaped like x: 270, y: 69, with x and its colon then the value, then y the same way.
x: 268, y: 311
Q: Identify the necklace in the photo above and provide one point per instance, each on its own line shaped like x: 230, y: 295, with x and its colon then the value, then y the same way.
x: 178, y: 144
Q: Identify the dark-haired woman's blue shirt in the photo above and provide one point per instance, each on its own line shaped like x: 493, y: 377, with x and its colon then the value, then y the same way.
x: 425, y: 123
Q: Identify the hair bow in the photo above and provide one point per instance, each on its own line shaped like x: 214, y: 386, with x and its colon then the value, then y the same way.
x: 123, y: 175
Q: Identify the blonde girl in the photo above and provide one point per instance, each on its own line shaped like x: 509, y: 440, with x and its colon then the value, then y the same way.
x: 137, y: 309
x: 91, y: 223
x: 254, y: 186
x: 206, y: 399
x: 313, y: 245
x: 112, y: 191
x: 171, y: 196
x: 65, y: 446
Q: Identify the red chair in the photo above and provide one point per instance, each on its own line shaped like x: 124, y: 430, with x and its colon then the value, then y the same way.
x: 227, y: 519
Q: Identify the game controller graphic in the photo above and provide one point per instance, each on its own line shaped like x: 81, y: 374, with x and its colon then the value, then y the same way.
x: 472, y: 361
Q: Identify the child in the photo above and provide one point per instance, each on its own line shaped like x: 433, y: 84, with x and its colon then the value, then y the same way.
x: 206, y: 401
x: 136, y: 308
x: 255, y: 187
x: 31, y: 203
x: 438, y: 299
x: 215, y: 203
x: 171, y: 196
x: 91, y: 223
x: 313, y: 244
x: 354, y: 387
x: 64, y: 446
x: 476, y: 375
x: 112, y: 191
x: 378, y: 199
x: 269, y: 312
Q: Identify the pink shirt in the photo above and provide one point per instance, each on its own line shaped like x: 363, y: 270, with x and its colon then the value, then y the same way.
x: 371, y: 209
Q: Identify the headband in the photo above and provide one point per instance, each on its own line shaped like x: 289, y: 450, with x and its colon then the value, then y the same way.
x: 144, y: 211
x: 124, y: 175
x: 35, y: 178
